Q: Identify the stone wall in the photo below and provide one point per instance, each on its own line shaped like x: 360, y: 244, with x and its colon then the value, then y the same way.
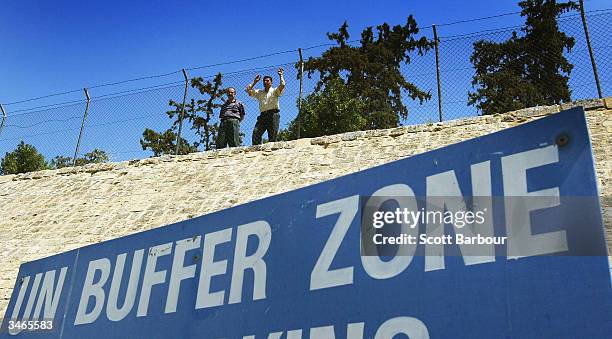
x: 49, y: 212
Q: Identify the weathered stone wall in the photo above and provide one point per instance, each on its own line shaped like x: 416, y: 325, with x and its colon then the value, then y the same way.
x: 49, y: 212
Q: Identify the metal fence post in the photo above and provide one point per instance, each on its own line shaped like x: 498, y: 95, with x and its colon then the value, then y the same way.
x: 178, y: 135
x: 588, y: 40
x: 76, y: 151
x: 3, y: 118
x: 301, y: 75
x: 437, y: 47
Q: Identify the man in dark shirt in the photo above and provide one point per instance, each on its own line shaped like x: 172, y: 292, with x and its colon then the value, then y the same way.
x: 232, y: 113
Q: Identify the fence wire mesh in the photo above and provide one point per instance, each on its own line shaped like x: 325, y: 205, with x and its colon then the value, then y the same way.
x: 119, y: 113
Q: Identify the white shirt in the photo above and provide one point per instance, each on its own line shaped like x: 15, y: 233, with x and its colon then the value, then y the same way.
x: 267, y: 100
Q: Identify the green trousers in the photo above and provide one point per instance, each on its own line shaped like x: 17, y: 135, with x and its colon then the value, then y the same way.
x: 229, y: 133
x: 266, y: 121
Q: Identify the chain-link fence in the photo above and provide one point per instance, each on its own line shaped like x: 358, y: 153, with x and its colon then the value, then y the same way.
x: 115, y: 117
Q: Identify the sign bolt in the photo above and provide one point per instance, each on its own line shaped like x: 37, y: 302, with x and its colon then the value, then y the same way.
x: 562, y: 139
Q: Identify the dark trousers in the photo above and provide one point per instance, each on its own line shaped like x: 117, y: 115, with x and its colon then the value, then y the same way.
x: 266, y: 121
x: 229, y: 133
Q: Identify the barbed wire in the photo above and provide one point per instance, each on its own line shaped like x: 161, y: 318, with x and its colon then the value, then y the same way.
x: 34, y: 110
x: 280, y: 53
x: 135, y: 79
x: 479, y: 19
x: 115, y: 121
x: 42, y: 97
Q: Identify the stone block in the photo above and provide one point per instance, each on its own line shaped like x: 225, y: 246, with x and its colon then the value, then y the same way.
x: 588, y: 104
x: 352, y: 135
x: 6, y: 178
x: 396, y: 132
x: 376, y: 133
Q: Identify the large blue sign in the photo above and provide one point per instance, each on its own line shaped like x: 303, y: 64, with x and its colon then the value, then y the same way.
x: 291, y: 265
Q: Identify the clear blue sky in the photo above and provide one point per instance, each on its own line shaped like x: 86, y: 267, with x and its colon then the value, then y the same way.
x: 53, y: 46
x: 57, y: 46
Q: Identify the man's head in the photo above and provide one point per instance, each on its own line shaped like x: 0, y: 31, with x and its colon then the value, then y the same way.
x: 231, y: 93
x: 267, y: 81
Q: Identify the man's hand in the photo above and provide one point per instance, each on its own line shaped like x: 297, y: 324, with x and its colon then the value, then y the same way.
x: 281, y: 86
x: 249, y: 88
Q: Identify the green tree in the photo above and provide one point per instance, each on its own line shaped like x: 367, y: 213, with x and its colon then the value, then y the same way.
x: 25, y: 158
x: 198, y: 115
x: 529, y: 69
x: 332, y: 110
x: 61, y: 161
x: 164, y: 143
x: 212, y: 93
x: 96, y: 156
x: 371, y: 71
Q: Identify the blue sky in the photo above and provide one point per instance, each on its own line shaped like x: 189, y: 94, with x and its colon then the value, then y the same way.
x: 57, y: 46
x: 52, y: 46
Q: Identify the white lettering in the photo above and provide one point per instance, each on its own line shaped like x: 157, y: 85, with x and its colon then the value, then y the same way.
x: 151, y: 276
x: 180, y: 272
x: 519, y: 204
x: 32, y: 297
x: 211, y: 268
x: 113, y: 312
x: 262, y: 231
x: 412, y: 327
x: 91, y: 289
x: 48, y: 296
x: 379, y: 269
x: 321, y: 276
x: 443, y: 192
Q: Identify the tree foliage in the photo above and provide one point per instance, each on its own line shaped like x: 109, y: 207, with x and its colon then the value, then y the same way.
x: 529, y: 69
x: 197, y: 116
x: 332, y: 110
x: 164, y: 143
x: 371, y: 71
x: 212, y: 93
x: 94, y: 157
x: 25, y: 158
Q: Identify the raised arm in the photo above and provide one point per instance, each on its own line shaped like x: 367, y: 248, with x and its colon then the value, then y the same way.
x: 249, y: 88
x: 281, y: 86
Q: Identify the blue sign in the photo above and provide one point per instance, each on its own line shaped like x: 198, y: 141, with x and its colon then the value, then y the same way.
x: 291, y: 265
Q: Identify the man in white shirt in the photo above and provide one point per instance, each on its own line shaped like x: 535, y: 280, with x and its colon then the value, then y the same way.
x: 269, y: 116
